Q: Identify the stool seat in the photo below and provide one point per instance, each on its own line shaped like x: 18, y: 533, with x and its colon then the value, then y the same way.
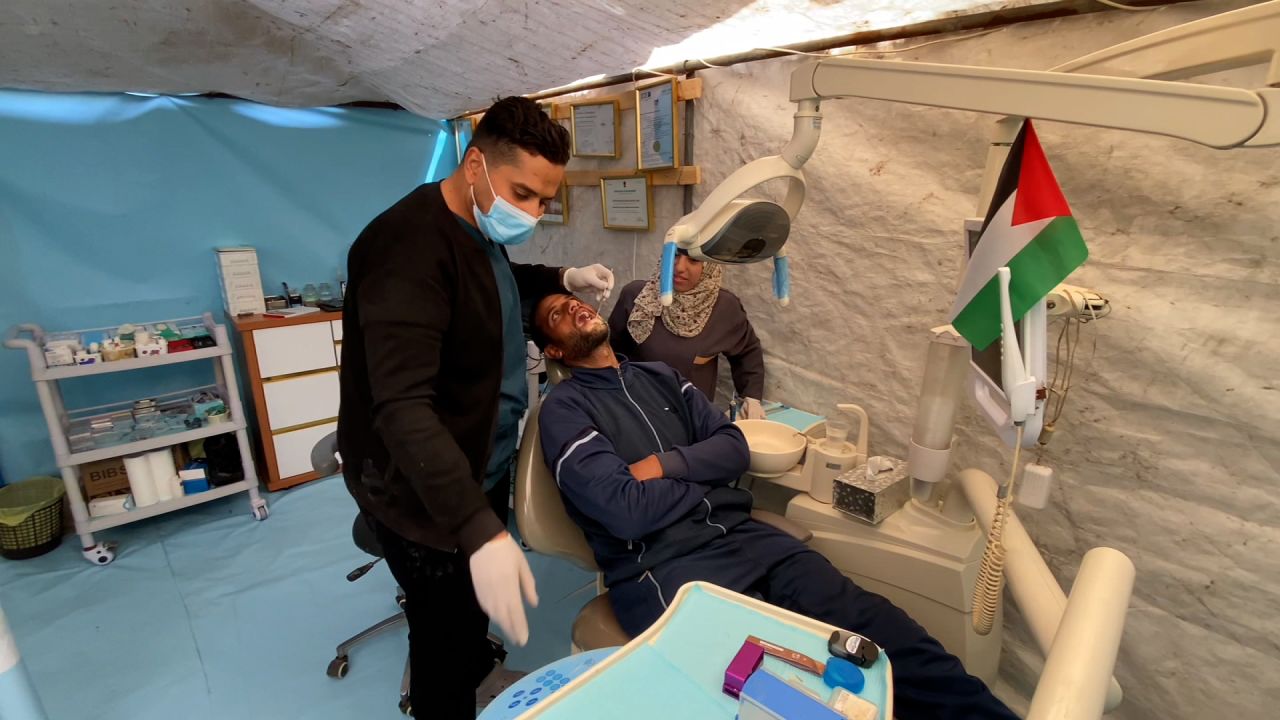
x: 364, y: 536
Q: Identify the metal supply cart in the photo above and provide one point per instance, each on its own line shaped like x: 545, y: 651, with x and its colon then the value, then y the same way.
x: 60, y: 422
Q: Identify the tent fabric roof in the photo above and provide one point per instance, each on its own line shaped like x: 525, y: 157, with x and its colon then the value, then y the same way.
x: 437, y: 58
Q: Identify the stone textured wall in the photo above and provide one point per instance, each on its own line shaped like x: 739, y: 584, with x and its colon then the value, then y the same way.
x: 1170, y: 444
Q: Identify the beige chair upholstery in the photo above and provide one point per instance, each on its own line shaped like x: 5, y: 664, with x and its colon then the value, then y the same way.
x: 540, y: 514
x: 546, y: 528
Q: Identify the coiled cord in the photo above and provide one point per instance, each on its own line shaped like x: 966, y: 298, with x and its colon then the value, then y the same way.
x: 990, y: 584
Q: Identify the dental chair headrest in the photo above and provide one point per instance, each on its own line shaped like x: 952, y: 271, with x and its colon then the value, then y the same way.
x: 557, y: 372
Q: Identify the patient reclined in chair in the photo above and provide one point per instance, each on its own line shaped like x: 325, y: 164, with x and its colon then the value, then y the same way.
x: 648, y: 468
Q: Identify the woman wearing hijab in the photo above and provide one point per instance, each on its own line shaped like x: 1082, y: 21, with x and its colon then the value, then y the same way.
x: 703, y: 322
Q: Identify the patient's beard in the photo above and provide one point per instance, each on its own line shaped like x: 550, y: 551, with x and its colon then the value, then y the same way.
x: 583, y: 343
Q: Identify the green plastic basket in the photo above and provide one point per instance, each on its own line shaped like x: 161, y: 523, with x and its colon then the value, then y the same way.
x: 31, y: 517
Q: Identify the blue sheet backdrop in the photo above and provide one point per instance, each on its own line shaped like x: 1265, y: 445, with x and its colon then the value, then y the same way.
x: 111, y: 205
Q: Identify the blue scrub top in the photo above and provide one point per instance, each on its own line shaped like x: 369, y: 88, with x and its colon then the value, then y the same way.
x: 513, y: 397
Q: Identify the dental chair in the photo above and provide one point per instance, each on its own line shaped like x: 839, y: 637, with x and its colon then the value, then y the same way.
x: 546, y: 528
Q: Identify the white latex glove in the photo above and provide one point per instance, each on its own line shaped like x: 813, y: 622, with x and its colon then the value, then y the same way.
x: 595, y: 278
x: 752, y: 409
x: 500, y: 573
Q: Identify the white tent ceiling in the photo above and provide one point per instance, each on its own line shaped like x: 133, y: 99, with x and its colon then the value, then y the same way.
x: 436, y: 58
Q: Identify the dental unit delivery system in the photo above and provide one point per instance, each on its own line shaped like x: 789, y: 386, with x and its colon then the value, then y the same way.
x: 1131, y: 86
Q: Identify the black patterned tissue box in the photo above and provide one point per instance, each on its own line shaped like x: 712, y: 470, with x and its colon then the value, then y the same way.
x: 872, y: 498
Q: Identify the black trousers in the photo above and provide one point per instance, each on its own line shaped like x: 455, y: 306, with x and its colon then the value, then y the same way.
x: 449, y: 650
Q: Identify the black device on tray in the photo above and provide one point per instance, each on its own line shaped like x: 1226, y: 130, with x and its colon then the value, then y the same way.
x: 853, y: 647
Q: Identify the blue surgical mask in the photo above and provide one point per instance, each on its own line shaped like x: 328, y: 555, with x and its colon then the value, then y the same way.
x: 505, y: 223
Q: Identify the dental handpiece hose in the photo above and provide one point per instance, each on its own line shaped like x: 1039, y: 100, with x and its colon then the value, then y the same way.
x: 990, y: 583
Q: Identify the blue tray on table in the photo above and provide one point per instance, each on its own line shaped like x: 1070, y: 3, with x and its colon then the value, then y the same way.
x: 675, y: 670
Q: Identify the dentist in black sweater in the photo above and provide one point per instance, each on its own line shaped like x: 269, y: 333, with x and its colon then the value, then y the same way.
x: 433, y: 388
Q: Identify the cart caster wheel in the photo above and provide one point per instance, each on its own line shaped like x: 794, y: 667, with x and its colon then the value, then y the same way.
x: 406, y: 707
x: 260, y: 510
x: 100, y: 554
x: 401, y: 601
x: 338, y: 667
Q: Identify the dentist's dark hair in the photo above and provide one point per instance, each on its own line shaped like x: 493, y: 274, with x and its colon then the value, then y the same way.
x: 517, y: 122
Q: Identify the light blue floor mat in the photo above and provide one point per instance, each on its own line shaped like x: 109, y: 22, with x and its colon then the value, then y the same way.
x: 207, y: 614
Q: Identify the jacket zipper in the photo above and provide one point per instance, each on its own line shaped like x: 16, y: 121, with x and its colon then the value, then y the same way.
x: 723, y: 530
x: 656, y: 439
x: 634, y: 404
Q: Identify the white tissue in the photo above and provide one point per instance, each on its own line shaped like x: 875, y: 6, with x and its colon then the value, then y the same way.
x: 164, y: 474
x: 879, y: 464
x: 143, y: 488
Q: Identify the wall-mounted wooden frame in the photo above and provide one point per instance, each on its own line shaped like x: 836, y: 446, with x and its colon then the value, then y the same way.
x: 657, y: 125
x: 626, y: 203
x: 558, y: 208
x: 595, y: 128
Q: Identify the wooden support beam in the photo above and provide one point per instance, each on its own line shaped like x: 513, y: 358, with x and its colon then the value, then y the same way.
x: 688, y: 175
x: 690, y: 89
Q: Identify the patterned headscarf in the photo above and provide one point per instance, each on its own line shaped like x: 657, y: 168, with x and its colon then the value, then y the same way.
x: 689, y: 311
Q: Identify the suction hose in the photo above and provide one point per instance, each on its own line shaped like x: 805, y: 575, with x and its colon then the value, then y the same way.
x: 990, y: 584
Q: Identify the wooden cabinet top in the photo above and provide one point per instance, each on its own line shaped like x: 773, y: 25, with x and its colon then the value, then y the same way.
x: 249, y: 323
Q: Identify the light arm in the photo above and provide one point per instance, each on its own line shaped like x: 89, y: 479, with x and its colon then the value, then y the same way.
x: 1214, y: 116
x: 1235, y: 39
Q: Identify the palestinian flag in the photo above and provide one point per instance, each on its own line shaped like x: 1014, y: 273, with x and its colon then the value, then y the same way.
x: 1030, y: 230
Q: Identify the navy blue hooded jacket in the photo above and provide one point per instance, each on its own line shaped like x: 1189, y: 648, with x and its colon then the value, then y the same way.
x: 600, y: 421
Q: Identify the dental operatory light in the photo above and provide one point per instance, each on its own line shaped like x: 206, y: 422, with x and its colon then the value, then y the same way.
x: 1107, y: 89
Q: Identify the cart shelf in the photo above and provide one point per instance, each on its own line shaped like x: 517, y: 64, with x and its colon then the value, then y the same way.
x: 60, y: 422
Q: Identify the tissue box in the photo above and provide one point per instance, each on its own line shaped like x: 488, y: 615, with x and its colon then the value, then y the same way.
x: 873, y: 498
x: 57, y: 355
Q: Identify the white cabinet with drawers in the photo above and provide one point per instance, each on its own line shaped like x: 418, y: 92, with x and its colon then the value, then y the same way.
x: 292, y: 368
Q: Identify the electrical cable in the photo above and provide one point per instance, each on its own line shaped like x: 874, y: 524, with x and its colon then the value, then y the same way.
x: 912, y: 47
x: 990, y: 583
x: 1130, y: 8
x: 1085, y: 310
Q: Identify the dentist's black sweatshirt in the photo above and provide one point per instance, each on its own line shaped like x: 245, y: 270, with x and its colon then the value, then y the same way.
x: 421, y: 371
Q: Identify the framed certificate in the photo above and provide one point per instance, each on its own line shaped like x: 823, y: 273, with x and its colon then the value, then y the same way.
x: 626, y: 203
x: 657, y: 127
x: 558, y: 208
x: 594, y: 127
